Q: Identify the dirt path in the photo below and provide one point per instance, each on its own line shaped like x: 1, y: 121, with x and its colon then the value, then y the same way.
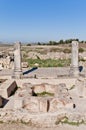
x: 25, y: 127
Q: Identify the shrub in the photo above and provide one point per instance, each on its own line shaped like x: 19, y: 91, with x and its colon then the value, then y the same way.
x: 28, y: 44
x: 67, y: 50
x: 81, y: 50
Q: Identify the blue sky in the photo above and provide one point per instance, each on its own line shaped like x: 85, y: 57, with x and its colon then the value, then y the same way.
x: 42, y: 20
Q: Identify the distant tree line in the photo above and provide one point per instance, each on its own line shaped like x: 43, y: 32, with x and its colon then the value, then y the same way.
x: 68, y: 41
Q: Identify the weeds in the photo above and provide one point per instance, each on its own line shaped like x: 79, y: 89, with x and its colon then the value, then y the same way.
x: 49, y: 62
x: 74, y: 123
x: 72, y: 87
x: 45, y: 93
x: 1, y: 122
x: 66, y: 121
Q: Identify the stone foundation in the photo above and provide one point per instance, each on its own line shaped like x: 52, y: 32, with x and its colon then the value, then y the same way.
x: 43, y: 98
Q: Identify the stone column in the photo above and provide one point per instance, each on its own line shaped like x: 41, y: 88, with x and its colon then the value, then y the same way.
x: 17, y: 61
x: 74, y: 68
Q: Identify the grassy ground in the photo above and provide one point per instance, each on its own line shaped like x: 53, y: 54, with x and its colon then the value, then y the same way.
x: 49, y: 62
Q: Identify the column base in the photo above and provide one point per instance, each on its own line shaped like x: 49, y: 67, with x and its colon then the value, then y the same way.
x: 17, y: 75
x: 74, y: 72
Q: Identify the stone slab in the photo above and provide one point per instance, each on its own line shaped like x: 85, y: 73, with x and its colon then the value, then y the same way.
x: 31, y: 104
x: 1, y: 101
x: 81, y: 87
x: 7, y: 88
x: 18, y: 103
x: 43, y: 105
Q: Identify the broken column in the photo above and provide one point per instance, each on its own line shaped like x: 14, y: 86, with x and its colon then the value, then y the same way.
x: 17, y: 61
x: 74, y: 69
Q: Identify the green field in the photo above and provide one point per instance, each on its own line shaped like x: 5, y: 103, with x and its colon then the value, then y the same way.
x: 48, y: 62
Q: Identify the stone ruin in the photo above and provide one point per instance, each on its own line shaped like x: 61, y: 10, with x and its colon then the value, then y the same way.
x: 8, y: 60
x: 36, y: 98
x: 39, y: 102
x: 29, y: 101
x: 74, y: 68
x: 14, y: 61
x: 43, y: 98
x: 17, y: 61
x: 6, y: 63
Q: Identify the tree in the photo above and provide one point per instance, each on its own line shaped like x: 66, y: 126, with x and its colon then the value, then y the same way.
x: 61, y: 41
x: 38, y: 43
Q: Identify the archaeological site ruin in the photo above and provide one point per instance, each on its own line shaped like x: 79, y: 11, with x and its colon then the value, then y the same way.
x: 44, y: 97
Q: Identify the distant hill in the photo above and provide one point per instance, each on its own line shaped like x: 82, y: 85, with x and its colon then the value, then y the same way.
x: 5, y: 44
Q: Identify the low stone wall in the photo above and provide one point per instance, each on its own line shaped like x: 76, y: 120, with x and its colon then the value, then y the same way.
x: 7, y: 88
x: 68, y: 81
x: 42, y: 120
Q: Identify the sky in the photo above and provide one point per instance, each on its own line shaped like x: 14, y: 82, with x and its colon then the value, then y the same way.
x: 42, y: 20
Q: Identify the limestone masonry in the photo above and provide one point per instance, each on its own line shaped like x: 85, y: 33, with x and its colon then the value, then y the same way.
x: 45, y: 97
